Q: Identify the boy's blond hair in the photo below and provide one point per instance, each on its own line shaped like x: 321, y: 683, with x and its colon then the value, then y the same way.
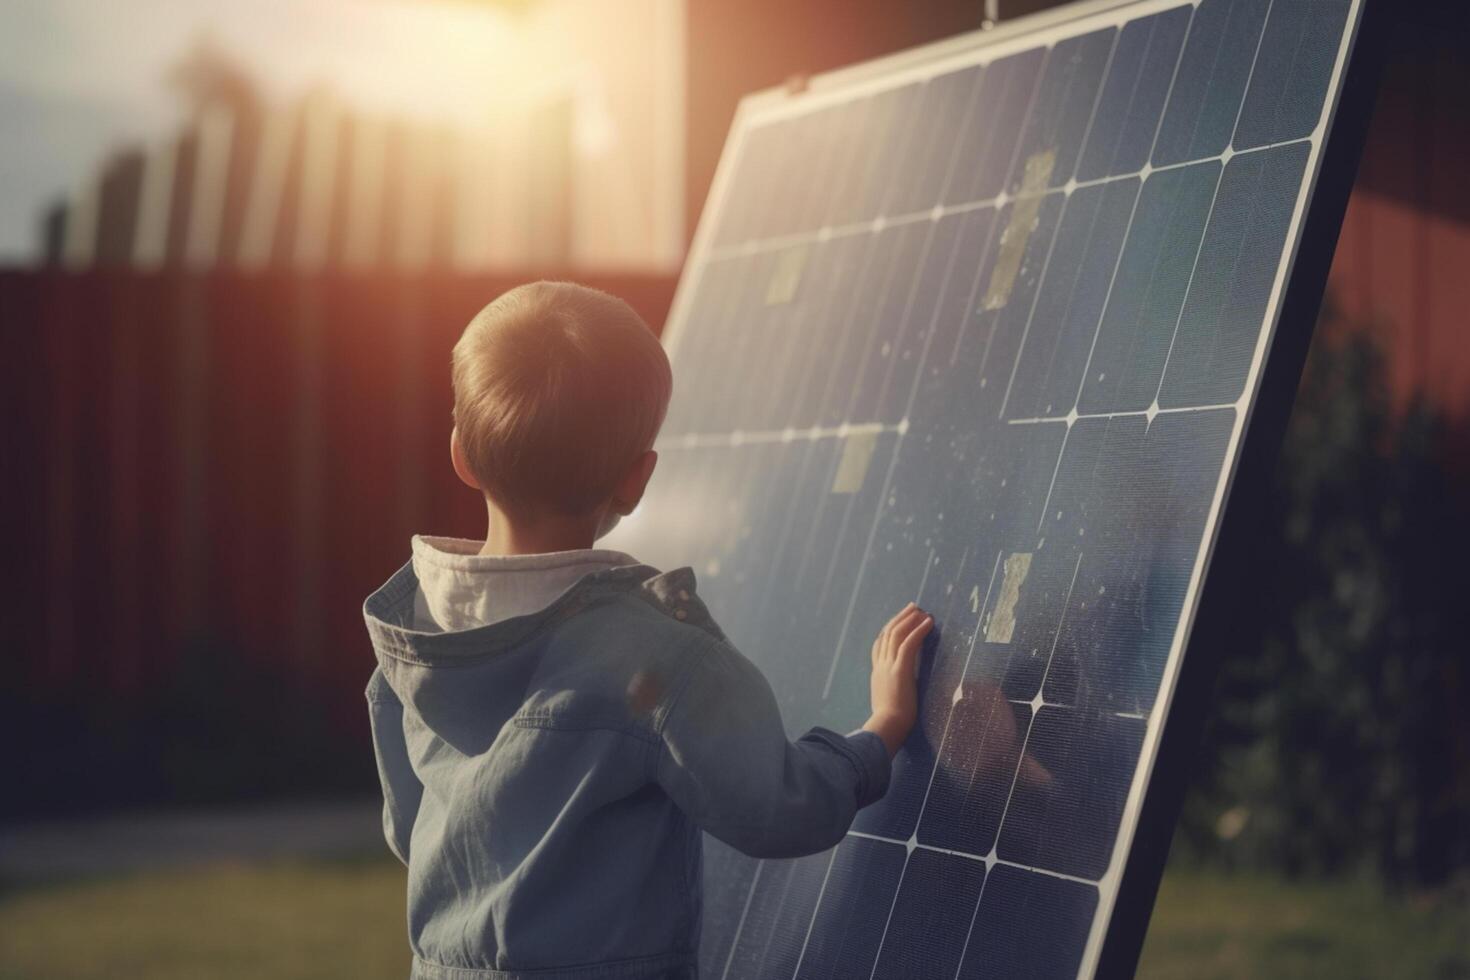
x: 557, y: 389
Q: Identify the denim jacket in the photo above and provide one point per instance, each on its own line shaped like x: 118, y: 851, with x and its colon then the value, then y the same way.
x: 546, y: 777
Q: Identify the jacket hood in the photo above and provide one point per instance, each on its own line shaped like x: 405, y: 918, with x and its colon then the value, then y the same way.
x: 472, y: 680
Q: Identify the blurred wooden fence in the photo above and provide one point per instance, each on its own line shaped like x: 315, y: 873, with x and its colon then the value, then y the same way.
x: 239, y: 457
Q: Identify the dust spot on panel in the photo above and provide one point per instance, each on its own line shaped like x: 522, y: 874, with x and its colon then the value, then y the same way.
x: 787, y: 277
x: 857, y: 455
x: 712, y: 567
x: 1003, y: 621
x: 1018, y: 230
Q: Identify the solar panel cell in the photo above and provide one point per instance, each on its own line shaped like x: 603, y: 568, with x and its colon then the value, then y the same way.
x: 1132, y: 99
x: 1238, y: 265
x: 1147, y: 292
x: 1293, y: 68
x: 1069, y: 790
x: 1027, y: 926
x: 1048, y: 373
x: 935, y: 139
x: 776, y: 918
x: 923, y: 937
x: 996, y: 116
x: 1205, y: 99
x: 977, y: 766
x: 848, y: 927
x: 1068, y: 91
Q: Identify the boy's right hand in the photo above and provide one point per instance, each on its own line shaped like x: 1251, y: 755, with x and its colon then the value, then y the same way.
x: 894, y: 685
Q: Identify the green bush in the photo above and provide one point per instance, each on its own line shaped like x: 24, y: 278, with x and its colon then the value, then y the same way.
x: 1340, y: 740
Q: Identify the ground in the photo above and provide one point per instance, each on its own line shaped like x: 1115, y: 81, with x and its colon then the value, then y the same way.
x: 343, y: 918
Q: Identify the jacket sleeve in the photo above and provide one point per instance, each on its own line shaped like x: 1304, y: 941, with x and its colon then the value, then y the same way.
x: 724, y: 759
x: 402, y: 790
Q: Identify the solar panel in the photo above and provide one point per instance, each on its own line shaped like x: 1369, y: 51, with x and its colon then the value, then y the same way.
x: 986, y: 325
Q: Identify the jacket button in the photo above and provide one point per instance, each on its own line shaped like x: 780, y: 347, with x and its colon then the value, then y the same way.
x: 680, y: 614
x: 684, y: 594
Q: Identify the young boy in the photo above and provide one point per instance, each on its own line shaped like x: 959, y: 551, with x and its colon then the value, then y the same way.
x: 555, y: 724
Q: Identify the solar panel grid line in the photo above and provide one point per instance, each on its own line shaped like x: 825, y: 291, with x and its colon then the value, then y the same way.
x: 969, y: 305
x: 1008, y: 74
x: 1227, y: 291
x: 1250, y: 75
x: 1218, y: 38
x: 852, y: 601
x: 989, y: 860
x: 827, y: 393
x: 745, y: 911
x: 897, y: 152
x: 723, y: 326
x: 1127, y: 233
x: 739, y: 437
x: 871, y: 318
x: 1069, y: 189
x: 840, y: 431
x: 1214, y: 199
x: 776, y: 242
x: 807, y: 935
x: 1031, y: 720
x: 1087, y: 161
x: 901, y: 429
x: 785, y: 536
x: 959, y: 688
x: 913, y: 392
x: 995, y: 327
x: 888, y: 476
x: 1150, y: 413
x: 892, y: 904
x: 902, y: 323
x: 807, y: 553
x: 850, y: 309
x: 865, y: 167
x: 1026, y: 330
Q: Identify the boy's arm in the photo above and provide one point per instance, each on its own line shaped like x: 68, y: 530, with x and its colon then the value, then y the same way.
x: 402, y: 790
x: 724, y: 759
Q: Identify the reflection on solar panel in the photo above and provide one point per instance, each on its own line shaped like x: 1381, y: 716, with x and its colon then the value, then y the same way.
x: 983, y: 325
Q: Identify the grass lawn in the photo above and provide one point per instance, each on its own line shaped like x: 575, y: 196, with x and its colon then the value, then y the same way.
x: 344, y: 919
x: 1210, y: 927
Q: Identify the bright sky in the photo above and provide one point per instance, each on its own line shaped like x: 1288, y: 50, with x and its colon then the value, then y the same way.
x: 80, y: 77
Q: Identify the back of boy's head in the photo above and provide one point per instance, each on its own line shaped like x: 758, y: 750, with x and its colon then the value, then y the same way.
x: 557, y: 389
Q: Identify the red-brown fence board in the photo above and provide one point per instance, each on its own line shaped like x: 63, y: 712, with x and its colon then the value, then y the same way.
x: 234, y: 460
x: 250, y: 417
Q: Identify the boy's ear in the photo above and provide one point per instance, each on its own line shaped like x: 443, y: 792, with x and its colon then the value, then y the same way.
x: 461, y: 465
x: 634, y: 482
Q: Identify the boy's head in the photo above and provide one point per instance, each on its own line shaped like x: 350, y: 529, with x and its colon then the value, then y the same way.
x: 559, y: 391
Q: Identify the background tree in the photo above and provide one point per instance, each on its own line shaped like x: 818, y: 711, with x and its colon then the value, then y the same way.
x: 1341, y: 740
